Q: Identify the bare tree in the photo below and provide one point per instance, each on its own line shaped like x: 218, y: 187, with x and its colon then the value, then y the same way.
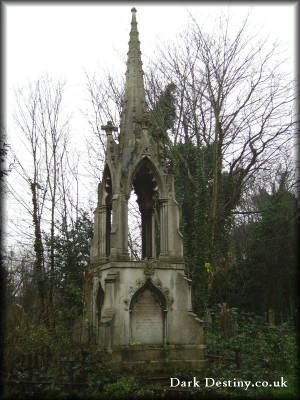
x: 104, y: 104
x: 43, y: 131
x: 234, y: 97
x: 105, y: 98
x: 54, y: 132
x: 26, y: 118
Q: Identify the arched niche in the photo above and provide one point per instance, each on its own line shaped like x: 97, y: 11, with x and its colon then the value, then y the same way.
x: 99, y: 301
x: 107, y: 202
x: 147, y: 187
x: 148, y: 316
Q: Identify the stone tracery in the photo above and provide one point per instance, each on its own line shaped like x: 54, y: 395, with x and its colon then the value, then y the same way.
x: 145, y: 301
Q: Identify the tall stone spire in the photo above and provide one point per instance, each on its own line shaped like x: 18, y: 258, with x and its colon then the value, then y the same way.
x: 134, y: 103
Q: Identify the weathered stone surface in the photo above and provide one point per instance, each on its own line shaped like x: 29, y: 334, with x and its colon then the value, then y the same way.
x: 148, y: 301
x: 147, y: 321
x: 182, y: 326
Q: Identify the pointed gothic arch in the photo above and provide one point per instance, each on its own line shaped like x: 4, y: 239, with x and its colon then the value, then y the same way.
x: 145, y: 160
x: 147, y: 186
x: 148, y: 315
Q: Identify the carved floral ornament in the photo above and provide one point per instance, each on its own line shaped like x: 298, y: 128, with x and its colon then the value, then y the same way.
x: 140, y: 283
x: 149, y: 269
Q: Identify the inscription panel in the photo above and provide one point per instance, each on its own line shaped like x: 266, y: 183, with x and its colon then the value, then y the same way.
x: 147, y: 319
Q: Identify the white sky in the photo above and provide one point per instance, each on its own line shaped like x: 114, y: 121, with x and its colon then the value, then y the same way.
x: 64, y: 40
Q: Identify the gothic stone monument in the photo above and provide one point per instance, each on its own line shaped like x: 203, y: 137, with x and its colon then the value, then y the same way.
x: 138, y: 309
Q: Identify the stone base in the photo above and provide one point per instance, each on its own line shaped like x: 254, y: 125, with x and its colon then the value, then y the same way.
x: 151, y: 357
x: 160, y: 365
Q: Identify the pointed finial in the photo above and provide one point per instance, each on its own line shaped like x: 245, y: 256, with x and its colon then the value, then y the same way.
x: 133, y: 10
x: 134, y: 102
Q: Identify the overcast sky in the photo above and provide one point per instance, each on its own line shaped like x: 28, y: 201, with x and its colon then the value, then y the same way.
x: 65, y: 40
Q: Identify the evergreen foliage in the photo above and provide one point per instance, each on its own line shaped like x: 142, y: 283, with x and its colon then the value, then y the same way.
x: 71, y: 246
x: 265, y: 273
x: 259, y: 277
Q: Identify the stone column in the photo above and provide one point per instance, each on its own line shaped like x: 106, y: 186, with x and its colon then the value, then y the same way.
x: 154, y: 255
x: 102, y: 232
x: 108, y: 231
x: 94, y: 251
x: 163, y: 227
x: 119, y: 228
x: 170, y: 237
x: 98, y: 246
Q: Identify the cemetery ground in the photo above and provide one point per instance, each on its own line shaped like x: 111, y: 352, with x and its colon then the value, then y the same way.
x: 44, y: 363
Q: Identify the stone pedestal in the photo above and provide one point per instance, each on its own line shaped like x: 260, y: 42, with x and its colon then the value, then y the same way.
x: 146, y: 310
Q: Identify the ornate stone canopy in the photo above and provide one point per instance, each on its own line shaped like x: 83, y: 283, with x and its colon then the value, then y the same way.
x: 147, y: 301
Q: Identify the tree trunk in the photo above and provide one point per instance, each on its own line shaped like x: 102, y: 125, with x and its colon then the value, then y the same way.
x: 39, y: 255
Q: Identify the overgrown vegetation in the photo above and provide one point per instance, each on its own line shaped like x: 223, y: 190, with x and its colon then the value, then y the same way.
x: 221, y: 131
x: 267, y: 353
